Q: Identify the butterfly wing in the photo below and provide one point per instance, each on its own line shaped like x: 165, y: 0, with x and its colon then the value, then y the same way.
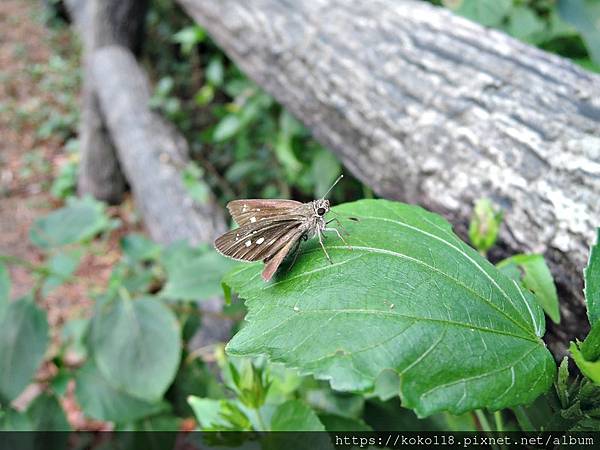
x: 255, y: 210
x: 272, y: 264
x: 258, y: 241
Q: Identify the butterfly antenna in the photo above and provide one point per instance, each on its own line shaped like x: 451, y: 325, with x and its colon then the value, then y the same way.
x: 332, y: 186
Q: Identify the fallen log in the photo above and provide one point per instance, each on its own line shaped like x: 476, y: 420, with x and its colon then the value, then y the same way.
x: 427, y: 107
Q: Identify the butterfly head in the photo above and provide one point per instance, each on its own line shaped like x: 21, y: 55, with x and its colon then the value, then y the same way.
x: 321, y: 207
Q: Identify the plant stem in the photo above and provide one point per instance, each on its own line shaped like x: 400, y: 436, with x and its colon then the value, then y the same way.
x: 260, y: 419
x: 499, y: 421
x: 483, y: 421
x: 523, y: 419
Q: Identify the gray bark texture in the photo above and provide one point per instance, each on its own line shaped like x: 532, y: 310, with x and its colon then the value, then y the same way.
x: 102, y: 23
x: 151, y: 152
x: 429, y: 108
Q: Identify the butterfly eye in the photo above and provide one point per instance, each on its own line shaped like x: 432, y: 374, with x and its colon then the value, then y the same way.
x: 321, y: 211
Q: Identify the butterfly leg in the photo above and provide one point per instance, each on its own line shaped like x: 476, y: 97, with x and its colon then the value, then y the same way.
x: 320, y: 233
x: 339, y: 235
x: 296, y: 251
x: 339, y: 223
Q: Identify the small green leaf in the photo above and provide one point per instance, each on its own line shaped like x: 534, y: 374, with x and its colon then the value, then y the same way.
x: 590, y: 369
x: 138, y: 248
x: 215, y: 71
x: 590, y: 349
x: 207, y: 411
x: 60, y: 266
x: 23, y: 343
x: 136, y: 345
x: 227, y: 128
x: 199, y: 279
x: 205, y: 95
x: 188, y: 37
x: 325, y: 169
x: 592, y: 282
x: 283, y: 144
x: 79, y: 221
x: 100, y: 400
x: 294, y: 415
x: 407, y: 296
x: 484, y: 225
x: 489, y: 13
x: 524, y: 24
x: 194, y: 184
x: 562, y: 382
x: 46, y: 414
x: 538, y: 279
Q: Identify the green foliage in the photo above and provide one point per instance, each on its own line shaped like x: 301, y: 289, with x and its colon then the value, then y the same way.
x: 193, y: 273
x: 535, y: 275
x: 566, y: 27
x: 584, y: 15
x: 100, y: 399
x: 587, y: 354
x: 249, y: 147
x: 590, y: 349
x: 485, y: 225
x: 294, y: 415
x: 65, y: 183
x: 592, y: 283
x: 23, y: 343
x: 487, y: 12
x: 430, y: 294
x: 79, y: 221
x: 590, y: 369
x: 46, y: 414
x: 136, y: 345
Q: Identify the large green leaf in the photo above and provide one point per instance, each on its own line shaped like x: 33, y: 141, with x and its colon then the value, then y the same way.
x: 195, y: 275
x: 101, y: 400
x: 592, y: 283
x: 23, y: 342
x: 79, y: 221
x: 408, y: 296
x: 136, y: 345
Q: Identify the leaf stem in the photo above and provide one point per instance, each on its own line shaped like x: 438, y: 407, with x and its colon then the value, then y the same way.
x: 485, y: 424
x: 523, y: 419
x: 483, y: 421
x: 499, y: 421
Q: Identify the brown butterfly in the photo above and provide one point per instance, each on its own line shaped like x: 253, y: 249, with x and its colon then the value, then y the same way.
x: 269, y: 229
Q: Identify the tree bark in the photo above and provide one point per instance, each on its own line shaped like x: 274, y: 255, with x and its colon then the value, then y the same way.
x: 102, y: 23
x: 429, y: 108
x: 152, y: 153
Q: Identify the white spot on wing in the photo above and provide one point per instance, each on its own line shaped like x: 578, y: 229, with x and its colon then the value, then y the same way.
x: 260, y: 241
x: 252, y: 219
x: 248, y: 243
